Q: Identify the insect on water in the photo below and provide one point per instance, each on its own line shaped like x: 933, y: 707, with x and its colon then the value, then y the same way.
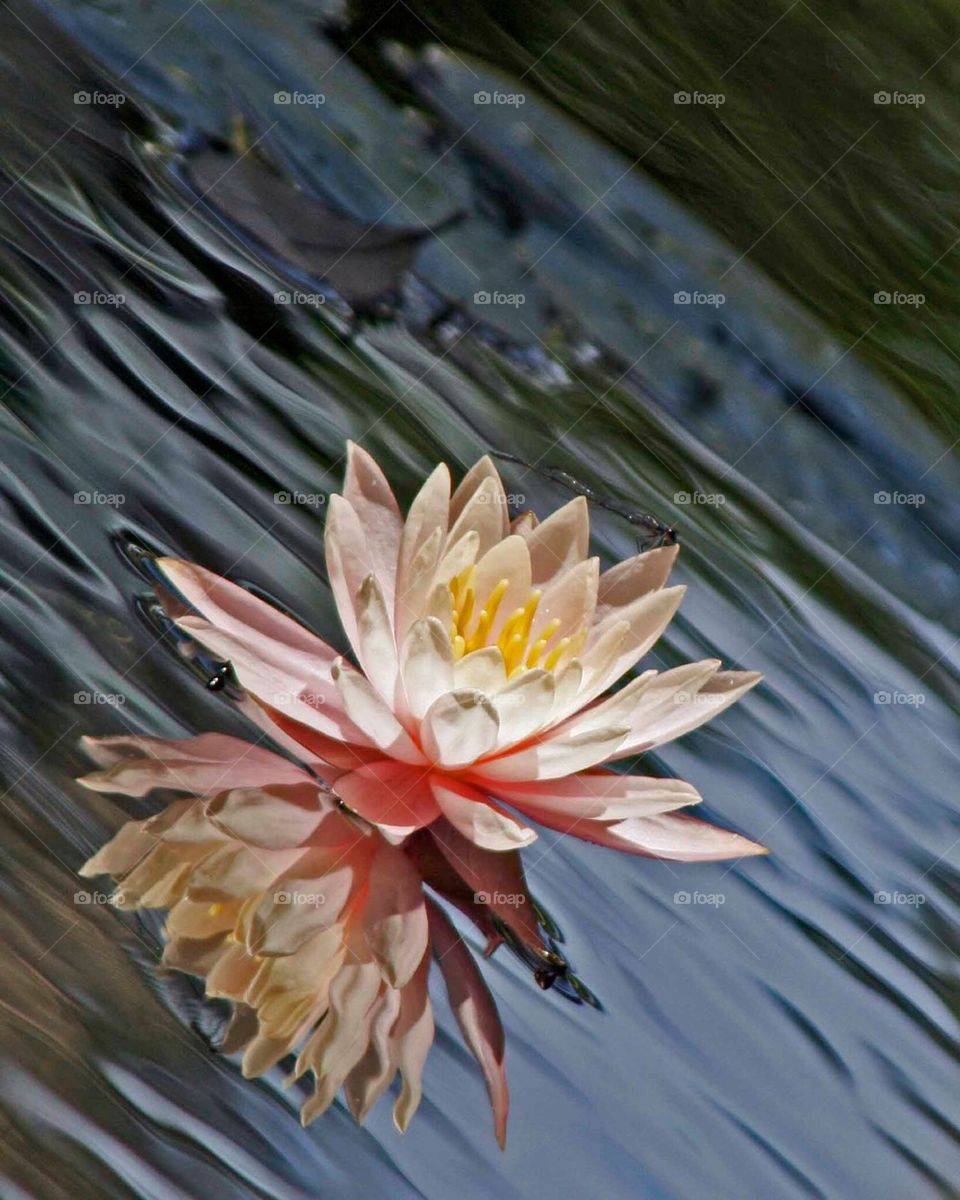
x: 655, y: 533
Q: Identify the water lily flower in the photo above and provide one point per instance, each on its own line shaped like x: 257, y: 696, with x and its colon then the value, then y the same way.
x: 306, y: 917
x: 483, y: 654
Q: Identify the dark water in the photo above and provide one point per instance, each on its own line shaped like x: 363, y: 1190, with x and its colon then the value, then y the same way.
x: 791, y: 1029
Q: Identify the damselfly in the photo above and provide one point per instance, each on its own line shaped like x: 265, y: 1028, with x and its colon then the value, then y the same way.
x: 655, y: 533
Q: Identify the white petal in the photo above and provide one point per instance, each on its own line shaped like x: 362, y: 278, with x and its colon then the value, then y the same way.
x: 628, y: 639
x: 485, y: 514
x: 482, y: 670
x: 427, y: 665
x: 376, y: 649
x: 554, y: 758
x: 524, y: 706
x: 367, y: 710
x: 459, y: 728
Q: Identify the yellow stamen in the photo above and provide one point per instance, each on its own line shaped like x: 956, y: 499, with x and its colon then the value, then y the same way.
x: 215, y: 910
x: 554, y: 656
x: 513, y: 653
x: 509, y: 625
x: 459, y: 646
x: 541, y: 643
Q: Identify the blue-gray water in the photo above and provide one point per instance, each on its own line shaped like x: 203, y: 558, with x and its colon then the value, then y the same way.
x: 784, y: 1033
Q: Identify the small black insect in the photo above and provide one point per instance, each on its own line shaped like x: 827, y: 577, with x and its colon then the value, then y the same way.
x: 655, y: 533
x: 220, y: 678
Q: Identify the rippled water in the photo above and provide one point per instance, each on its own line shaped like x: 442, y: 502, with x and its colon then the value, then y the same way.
x: 771, y: 1029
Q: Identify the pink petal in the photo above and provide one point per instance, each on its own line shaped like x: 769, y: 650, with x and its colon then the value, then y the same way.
x: 348, y: 563
x: 601, y: 795
x: 557, y: 544
x: 373, y: 1074
x: 276, y: 817
x: 689, y: 710
x: 551, y: 758
x: 339, y: 754
x: 369, y: 494
x: 428, y: 513
x: 570, y: 599
x: 412, y: 1037
x: 474, y: 1010
x: 495, y: 879
x: 674, y: 836
x: 627, y: 640
x: 277, y: 638
x: 394, y: 918
x: 632, y: 578
x: 389, y: 794
x: 296, y: 689
x: 479, y: 818
x: 479, y: 473
x: 485, y: 514
x: 508, y: 560
x: 200, y: 765
x: 524, y: 706
x: 308, y: 897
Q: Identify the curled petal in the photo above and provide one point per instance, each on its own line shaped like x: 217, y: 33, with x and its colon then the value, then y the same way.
x: 474, y: 1010
x: 459, y: 728
x: 478, y: 817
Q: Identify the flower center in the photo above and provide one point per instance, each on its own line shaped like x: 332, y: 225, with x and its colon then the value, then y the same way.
x: 474, y: 619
